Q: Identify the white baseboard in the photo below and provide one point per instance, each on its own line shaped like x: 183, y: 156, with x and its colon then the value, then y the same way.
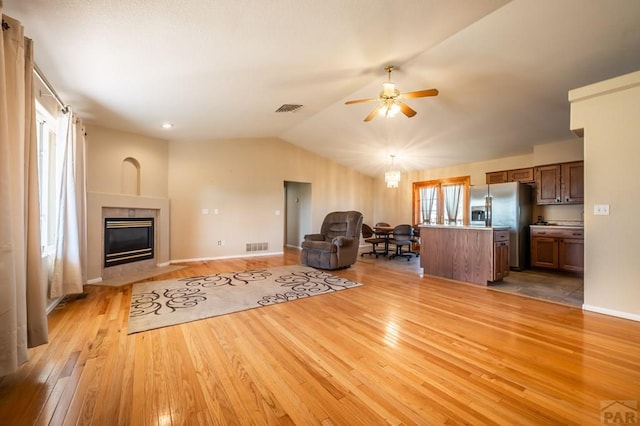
x: 51, y: 306
x: 236, y: 256
x: 611, y: 312
x: 94, y: 280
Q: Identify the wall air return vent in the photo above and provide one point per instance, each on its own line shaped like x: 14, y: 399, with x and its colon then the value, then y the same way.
x: 289, y: 108
x: 257, y: 247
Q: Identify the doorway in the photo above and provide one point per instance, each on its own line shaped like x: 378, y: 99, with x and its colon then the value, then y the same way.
x: 297, y: 212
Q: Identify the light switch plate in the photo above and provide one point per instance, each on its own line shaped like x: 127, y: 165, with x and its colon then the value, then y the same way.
x: 601, y: 209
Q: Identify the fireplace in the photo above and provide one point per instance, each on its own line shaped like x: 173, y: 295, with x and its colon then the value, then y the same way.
x: 127, y: 240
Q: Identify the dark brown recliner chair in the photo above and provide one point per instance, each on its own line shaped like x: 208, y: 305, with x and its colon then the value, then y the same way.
x: 336, y: 246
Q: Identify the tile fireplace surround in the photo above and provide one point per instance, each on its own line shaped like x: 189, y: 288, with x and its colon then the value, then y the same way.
x: 99, y: 206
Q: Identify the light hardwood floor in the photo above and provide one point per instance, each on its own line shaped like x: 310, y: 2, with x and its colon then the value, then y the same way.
x: 399, y: 350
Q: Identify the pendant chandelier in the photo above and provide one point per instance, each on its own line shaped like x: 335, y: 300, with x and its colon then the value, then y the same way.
x: 392, y: 176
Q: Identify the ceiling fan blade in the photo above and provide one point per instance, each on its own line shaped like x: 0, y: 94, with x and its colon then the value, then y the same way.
x: 373, y: 113
x: 406, y: 109
x: 421, y: 93
x: 360, y: 101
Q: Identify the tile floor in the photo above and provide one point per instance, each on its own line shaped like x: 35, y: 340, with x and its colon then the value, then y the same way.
x: 548, y: 285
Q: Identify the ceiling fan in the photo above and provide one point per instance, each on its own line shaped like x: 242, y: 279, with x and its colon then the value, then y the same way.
x: 390, y: 97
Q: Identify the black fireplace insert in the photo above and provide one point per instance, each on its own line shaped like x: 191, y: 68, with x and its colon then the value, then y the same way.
x: 127, y: 240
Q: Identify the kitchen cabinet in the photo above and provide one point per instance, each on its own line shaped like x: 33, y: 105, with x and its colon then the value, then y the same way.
x: 525, y: 175
x: 560, y: 183
x: 544, y: 252
x: 497, y: 177
x: 557, y: 247
x: 501, y: 252
x: 572, y: 182
x: 472, y: 254
x: 571, y: 254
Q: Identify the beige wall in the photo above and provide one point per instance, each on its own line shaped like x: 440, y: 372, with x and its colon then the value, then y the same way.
x: 244, y: 181
x: 107, y: 150
x: 558, y: 152
x: 608, y: 113
x: 394, y: 205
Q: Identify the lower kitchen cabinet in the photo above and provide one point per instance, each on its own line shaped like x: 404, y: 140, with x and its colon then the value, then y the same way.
x: 472, y: 254
x: 501, y: 250
x: 544, y: 252
x: 556, y: 247
x: 571, y: 254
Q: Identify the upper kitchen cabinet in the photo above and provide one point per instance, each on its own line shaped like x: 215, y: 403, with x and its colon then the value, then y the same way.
x: 548, y: 184
x: 573, y: 182
x: 560, y: 183
x: 524, y: 175
x: 497, y: 177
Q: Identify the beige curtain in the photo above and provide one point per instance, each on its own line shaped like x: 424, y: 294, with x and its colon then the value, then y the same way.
x: 452, y: 195
x: 69, y: 262
x: 427, y: 201
x: 23, y: 320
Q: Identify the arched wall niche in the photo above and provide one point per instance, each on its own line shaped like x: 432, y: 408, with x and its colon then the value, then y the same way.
x: 130, y: 176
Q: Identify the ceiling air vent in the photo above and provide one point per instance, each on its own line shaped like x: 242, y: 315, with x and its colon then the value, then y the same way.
x: 289, y: 108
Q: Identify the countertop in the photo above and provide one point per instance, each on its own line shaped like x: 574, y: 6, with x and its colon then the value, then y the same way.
x: 478, y: 228
x: 557, y: 226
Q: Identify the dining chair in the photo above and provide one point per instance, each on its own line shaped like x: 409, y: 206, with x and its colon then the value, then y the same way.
x: 370, y: 237
x: 401, y: 237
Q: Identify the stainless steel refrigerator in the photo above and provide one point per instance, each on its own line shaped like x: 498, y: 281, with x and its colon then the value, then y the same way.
x: 506, y: 204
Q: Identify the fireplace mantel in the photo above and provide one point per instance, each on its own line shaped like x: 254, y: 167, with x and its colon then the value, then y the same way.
x: 97, y: 201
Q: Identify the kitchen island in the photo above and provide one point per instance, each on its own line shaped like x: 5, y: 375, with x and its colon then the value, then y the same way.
x: 473, y: 254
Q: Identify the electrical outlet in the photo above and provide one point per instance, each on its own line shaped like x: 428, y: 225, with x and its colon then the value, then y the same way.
x: 205, y: 211
x: 219, y: 242
x: 601, y: 209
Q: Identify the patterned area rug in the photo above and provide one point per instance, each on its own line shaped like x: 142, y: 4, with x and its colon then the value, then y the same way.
x: 156, y: 304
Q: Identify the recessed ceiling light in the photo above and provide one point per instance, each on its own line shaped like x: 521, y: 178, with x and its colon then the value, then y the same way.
x: 167, y: 125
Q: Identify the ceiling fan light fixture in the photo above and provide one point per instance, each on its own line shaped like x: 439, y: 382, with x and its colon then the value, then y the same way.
x: 388, y: 89
x: 390, y: 99
x: 391, y: 109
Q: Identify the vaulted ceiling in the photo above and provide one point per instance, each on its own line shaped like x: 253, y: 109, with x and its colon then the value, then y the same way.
x: 219, y: 69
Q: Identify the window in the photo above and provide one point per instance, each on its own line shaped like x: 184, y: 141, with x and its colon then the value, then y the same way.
x: 48, y: 169
x: 441, y: 201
